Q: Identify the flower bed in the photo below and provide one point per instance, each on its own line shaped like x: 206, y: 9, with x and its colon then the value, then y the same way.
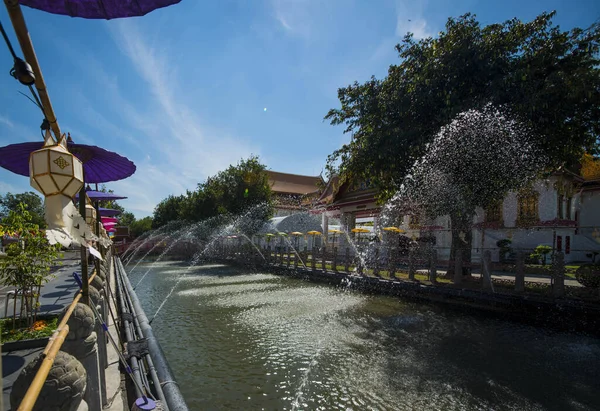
x: 41, y: 329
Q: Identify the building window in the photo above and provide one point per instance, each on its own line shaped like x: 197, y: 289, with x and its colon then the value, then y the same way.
x: 527, y: 207
x: 568, y: 208
x: 568, y: 244
x: 558, y: 243
x: 414, y: 221
x: 493, y: 213
x: 561, y: 211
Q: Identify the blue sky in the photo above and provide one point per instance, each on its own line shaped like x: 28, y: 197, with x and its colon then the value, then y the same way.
x: 182, y: 91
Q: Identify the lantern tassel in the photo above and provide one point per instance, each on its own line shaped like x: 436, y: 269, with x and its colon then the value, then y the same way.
x: 65, y: 224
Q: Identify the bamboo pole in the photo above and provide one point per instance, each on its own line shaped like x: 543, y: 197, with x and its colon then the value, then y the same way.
x: 40, y: 377
x: 65, y: 319
x: 18, y: 22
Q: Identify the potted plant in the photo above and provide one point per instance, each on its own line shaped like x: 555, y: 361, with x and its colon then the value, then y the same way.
x: 26, y: 265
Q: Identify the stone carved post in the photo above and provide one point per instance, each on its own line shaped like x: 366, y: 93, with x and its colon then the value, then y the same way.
x: 81, y: 344
x: 458, y: 266
x: 324, y: 259
x: 313, y: 262
x: 433, y: 266
x: 347, y: 260
x: 334, y: 260
x: 520, y: 272
x: 63, y: 390
x: 486, y: 270
x: 558, y: 274
x: 376, y: 264
x: 391, y: 263
x: 411, y: 261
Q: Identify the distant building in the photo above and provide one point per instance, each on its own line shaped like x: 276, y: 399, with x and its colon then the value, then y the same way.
x: 562, y: 211
x: 294, y: 193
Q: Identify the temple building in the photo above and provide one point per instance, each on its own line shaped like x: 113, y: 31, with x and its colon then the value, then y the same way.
x: 294, y: 193
x: 561, y: 211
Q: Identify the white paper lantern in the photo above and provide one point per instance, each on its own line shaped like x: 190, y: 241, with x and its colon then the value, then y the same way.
x: 90, y: 215
x: 54, y: 170
x: 58, y: 174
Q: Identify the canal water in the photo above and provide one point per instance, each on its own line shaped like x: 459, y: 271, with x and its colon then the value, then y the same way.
x: 240, y: 340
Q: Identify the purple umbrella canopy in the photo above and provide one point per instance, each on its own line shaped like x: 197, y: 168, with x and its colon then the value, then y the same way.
x: 99, y: 165
x: 101, y: 196
x: 108, y: 212
x: 98, y: 9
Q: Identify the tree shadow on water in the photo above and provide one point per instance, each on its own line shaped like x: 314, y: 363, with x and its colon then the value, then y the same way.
x: 496, y: 363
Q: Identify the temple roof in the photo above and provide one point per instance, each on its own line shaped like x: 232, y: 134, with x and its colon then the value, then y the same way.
x: 286, y: 183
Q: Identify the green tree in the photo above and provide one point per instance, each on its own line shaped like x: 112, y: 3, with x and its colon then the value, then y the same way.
x: 126, y: 218
x: 33, y: 202
x: 547, y: 77
x: 541, y: 253
x: 139, y: 227
x: 167, y: 210
x: 27, y: 263
x: 234, y: 191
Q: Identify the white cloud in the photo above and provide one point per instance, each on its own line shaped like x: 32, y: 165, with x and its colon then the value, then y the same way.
x: 184, y: 150
x: 6, y: 121
x: 8, y: 188
x: 295, y: 16
x: 410, y: 19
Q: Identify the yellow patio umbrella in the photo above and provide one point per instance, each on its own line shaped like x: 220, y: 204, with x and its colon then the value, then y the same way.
x: 297, y: 234
x: 394, y: 229
x: 314, y: 232
x: 359, y: 230
x: 335, y: 232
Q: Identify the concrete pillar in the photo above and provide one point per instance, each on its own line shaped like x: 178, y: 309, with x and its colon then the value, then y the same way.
x: 325, y: 225
x: 324, y: 259
x: 412, y: 249
x: 486, y: 270
x: 558, y: 274
x: 458, y: 266
x: 347, y: 260
x: 81, y: 344
x: 376, y: 262
x: 391, y: 263
x: 433, y: 266
x: 334, y: 259
x: 520, y: 272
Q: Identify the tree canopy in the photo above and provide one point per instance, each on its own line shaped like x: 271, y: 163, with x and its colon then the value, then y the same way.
x: 33, y: 202
x: 547, y: 77
x: 231, y: 192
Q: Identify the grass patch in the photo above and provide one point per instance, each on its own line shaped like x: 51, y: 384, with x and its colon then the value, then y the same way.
x: 40, y: 329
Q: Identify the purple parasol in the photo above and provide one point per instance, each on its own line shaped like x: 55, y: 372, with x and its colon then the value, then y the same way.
x: 108, y: 212
x: 98, y: 9
x: 101, y: 196
x: 99, y: 165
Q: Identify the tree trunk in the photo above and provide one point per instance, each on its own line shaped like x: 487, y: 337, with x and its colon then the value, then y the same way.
x: 462, y: 238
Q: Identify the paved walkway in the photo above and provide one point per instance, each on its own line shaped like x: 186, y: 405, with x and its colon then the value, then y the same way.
x: 57, y: 294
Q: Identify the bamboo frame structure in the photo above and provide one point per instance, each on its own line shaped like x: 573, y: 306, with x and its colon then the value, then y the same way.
x: 18, y: 21
x: 54, y: 345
